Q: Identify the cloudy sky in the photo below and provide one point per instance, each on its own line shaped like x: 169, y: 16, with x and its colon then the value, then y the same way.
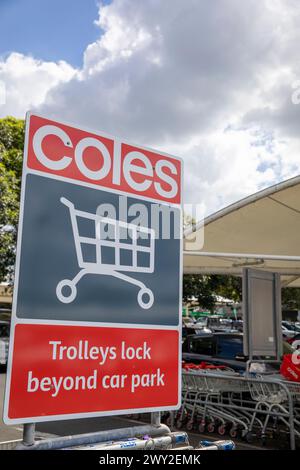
x: 208, y: 80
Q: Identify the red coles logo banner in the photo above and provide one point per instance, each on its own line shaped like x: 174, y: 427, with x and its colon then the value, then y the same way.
x: 99, y: 160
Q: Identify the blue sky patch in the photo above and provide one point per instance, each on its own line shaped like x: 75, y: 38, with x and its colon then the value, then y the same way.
x: 49, y: 30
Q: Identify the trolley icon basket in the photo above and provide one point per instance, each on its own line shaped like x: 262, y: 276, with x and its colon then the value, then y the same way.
x: 145, y: 295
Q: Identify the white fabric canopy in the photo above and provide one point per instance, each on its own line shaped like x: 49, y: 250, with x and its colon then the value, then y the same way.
x: 261, y: 231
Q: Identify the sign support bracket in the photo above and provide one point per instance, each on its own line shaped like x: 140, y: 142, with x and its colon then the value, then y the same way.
x: 155, y: 418
x: 29, y: 434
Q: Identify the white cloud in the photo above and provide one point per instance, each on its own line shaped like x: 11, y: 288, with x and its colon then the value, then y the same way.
x: 208, y: 80
x: 27, y: 82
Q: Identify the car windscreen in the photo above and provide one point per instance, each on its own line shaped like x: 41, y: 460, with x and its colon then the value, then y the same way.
x: 202, y: 345
x: 228, y: 347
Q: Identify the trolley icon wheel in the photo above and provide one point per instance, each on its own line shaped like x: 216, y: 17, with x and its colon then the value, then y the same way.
x: 68, y: 286
x: 145, y: 292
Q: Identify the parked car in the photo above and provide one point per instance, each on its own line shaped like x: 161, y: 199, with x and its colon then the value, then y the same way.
x: 291, y: 326
x: 287, y: 332
x: 219, y: 324
x: 201, y: 322
x: 220, y: 349
x: 215, y: 348
x: 188, y: 330
x: 238, y: 325
x: 188, y: 321
x: 4, y: 342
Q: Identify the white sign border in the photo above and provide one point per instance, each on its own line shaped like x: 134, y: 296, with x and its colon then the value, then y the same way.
x: 14, y: 320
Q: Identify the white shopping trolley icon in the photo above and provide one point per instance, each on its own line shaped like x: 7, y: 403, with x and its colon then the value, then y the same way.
x: 145, y: 295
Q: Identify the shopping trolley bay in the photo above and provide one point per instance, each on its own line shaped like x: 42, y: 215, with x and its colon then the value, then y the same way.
x: 254, y: 408
x: 11, y: 435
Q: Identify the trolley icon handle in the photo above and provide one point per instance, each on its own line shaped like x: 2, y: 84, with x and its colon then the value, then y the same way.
x: 67, y: 203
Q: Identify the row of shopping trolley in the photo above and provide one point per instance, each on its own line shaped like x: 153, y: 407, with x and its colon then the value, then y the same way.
x: 226, y: 402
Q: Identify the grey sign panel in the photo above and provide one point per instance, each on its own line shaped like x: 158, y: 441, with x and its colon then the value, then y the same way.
x: 72, y: 278
x: 262, y: 314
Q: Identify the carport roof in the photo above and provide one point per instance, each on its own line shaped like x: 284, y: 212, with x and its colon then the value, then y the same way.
x: 261, y: 231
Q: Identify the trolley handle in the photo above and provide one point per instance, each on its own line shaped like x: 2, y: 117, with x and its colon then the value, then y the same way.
x: 67, y: 203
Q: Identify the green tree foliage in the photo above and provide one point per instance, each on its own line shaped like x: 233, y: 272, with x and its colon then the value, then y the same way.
x: 229, y: 287
x: 291, y: 298
x: 206, y: 288
x: 11, y: 153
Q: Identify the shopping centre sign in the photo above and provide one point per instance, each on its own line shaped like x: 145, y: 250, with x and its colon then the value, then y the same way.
x: 97, y: 295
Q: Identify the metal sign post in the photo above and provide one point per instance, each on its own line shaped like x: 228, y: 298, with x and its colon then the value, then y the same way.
x: 96, y: 321
x: 28, y: 434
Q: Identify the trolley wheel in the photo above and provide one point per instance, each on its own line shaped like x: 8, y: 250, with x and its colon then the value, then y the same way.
x: 68, y: 285
x: 263, y: 441
x: 190, y: 425
x: 221, y: 430
x: 233, y: 433
x: 249, y: 437
x: 201, y: 427
x: 148, y: 302
x: 211, y: 428
x: 275, y: 434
